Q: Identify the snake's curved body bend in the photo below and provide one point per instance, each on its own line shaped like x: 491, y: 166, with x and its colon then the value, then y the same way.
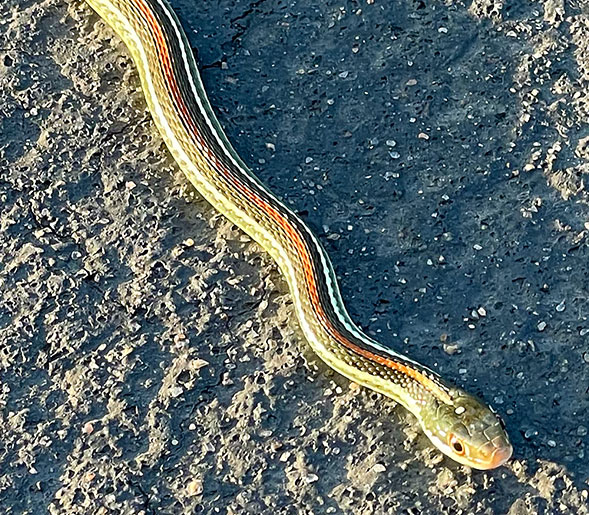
x: 457, y: 423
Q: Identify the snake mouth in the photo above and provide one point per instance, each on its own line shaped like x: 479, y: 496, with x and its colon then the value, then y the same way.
x: 499, y: 457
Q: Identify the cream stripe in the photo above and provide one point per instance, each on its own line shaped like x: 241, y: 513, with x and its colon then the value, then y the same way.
x: 182, y: 158
x: 473, y: 426
x: 333, y: 289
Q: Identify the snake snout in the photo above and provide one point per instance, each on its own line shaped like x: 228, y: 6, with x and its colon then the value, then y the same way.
x: 501, y: 455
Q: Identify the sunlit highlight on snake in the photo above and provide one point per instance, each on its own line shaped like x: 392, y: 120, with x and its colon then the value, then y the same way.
x: 457, y: 423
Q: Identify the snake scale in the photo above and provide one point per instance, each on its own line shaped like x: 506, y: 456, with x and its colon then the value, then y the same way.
x: 457, y: 423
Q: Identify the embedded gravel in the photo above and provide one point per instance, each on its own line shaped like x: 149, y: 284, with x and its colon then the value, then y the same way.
x: 150, y: 360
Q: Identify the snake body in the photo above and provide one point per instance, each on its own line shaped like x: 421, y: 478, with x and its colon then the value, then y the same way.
x: 460, y: 425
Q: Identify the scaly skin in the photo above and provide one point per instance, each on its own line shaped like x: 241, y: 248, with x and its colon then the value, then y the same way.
x: 461, y: 426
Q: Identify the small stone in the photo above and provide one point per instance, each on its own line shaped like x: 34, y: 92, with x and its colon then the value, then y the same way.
x: 482, y: 311
x: 180, y: 337
x: 378, y: 468
x: 451, y: 349
x: 411, y: 82
x: 88, y: 428
x: 541, y: 326
x: 561, y: 307
x: 582, y: 431
x: 476, y: 246
x: 343, y: 75
x: 199, y: 363
x: 394, y: 155
x: 311, y: 478
x: 194, y: 487
x: 551, y: 443
x: 392, y: 143
x: 176, y: 391
x: 423, y: 135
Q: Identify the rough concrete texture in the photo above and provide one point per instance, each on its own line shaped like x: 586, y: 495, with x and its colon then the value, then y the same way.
x: 149, y: 357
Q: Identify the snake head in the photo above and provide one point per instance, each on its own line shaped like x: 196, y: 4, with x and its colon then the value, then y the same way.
x: 467, y: 430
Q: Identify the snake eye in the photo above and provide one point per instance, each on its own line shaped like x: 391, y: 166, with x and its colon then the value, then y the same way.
x: 456, y: 445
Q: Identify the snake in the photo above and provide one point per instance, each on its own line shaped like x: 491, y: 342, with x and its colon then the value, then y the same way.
x: 459, y: 424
